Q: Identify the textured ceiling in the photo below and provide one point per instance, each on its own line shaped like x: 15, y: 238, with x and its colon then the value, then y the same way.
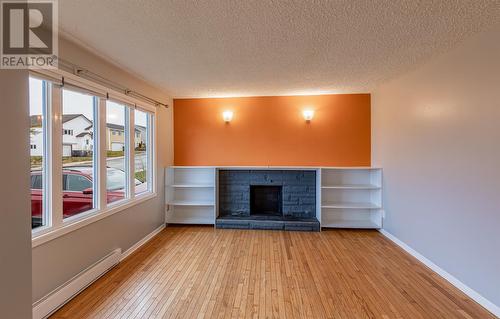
x: 255, y: 47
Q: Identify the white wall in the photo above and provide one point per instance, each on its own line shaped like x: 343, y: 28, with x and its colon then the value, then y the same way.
x: 57, y: 261
x: 436, y: 133
x: 15, y: 208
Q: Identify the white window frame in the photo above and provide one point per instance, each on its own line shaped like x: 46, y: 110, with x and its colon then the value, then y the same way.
x: 55, y: 225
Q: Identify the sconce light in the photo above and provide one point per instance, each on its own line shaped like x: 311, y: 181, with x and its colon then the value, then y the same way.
x: 227, y: 116
x: 308, y: 115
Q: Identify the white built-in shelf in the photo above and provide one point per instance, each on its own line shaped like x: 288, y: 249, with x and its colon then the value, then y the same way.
x: 192, y: 186
x: 190, y: 203
x: 351, y: 197
x: 351, y: 224
x: 190, y: 195
x: 350, y: 205
x: 351, y: 186
x: 346, y: 197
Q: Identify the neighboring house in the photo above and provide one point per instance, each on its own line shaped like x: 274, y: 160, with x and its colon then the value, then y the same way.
x: 115, y: 136
x: 78, y: 135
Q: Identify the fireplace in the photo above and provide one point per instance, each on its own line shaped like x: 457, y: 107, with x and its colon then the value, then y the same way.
x: 266, y: 200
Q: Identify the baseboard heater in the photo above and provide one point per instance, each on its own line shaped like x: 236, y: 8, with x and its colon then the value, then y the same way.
x: 46, y: 306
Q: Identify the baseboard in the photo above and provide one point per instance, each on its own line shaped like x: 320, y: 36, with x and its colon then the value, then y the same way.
x: 491, y: 307
x: 64, y: 293
x: 141, y: 242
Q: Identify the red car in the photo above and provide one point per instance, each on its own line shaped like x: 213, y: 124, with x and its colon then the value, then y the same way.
x: 78, y: 191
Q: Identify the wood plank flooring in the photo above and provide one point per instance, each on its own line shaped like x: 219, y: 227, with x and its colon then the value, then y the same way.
x: 199, y: 272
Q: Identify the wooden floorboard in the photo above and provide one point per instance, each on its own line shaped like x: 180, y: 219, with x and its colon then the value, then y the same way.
x: 199, y: 272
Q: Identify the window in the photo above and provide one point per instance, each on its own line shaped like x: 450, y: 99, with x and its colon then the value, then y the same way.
x: 117, y: 158
x: 78, y: 111
x: 38, y: 132
x: 95, y: 163
x: 142, y: 164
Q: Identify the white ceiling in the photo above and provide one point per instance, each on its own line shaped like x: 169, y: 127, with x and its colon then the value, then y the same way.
x: 255, y: 47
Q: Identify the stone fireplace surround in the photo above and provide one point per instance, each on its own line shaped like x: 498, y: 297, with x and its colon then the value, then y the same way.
x: 298, y: 194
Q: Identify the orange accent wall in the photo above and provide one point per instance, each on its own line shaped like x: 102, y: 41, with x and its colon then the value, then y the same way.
x: 271, y: 131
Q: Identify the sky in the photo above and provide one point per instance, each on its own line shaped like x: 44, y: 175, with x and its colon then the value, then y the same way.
x: 78, y: 103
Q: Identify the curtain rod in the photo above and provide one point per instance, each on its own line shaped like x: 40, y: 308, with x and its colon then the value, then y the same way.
x: 84, y: 73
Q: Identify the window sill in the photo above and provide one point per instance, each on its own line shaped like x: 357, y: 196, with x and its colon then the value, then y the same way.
x: 46, y: 235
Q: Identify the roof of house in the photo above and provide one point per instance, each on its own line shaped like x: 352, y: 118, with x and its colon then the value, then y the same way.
x: 82, y: 134
x: 36, y: 120
x: 119, y: 127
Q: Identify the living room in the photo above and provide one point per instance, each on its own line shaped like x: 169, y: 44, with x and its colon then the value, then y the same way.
x: 268, y: 159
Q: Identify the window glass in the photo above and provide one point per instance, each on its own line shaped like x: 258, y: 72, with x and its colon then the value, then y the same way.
x: 38, y: 106
x: 78, y: 153
x: 77, y: 183
x: 36, y: 181
x: 116, y: 156
x: 142, y: 152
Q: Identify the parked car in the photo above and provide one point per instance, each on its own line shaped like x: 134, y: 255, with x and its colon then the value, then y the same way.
x: 78, y: 190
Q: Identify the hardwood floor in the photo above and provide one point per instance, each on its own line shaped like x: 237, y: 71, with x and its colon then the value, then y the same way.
x: 199, y: 272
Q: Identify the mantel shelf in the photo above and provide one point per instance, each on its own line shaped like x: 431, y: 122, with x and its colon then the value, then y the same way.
x: 351, y: 186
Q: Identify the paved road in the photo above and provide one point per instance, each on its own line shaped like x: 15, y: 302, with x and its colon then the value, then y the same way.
x: 118, y: 162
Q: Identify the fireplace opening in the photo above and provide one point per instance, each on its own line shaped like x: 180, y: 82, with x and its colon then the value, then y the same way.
x: 265, y: 200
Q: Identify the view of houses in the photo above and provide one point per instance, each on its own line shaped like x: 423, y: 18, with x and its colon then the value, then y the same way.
x: 78, y: 135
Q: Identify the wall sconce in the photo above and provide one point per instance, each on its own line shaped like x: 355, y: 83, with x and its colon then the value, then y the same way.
x: 308, y: 115
x: 227, y: 116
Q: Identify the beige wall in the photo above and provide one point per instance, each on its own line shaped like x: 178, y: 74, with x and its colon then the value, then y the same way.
x: 58, y: 260
x: 436, y: 133
x: 15, y: 209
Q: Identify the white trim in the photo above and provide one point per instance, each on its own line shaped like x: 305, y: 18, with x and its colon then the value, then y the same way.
x: 101, y: 150
x: 474, y: 295
x: 47, y: 305
x: 141, y: 242
x: 55, y: 190
x: 312, y: 168
x: 131, y: 151
x: 53, y: 233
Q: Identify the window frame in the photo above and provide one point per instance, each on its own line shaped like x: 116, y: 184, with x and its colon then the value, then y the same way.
x: 56, y: 226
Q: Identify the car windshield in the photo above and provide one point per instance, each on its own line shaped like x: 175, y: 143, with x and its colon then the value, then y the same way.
x: 116, y: 178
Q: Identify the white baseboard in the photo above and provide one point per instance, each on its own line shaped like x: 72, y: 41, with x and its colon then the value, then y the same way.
x: 141, y: 242
x: 64, y: 293
x: 491, y: 307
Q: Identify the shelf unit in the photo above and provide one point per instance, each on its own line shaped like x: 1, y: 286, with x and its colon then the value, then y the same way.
x: 345, y: 198
x: 190, y: 195
x: 351, y: 198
